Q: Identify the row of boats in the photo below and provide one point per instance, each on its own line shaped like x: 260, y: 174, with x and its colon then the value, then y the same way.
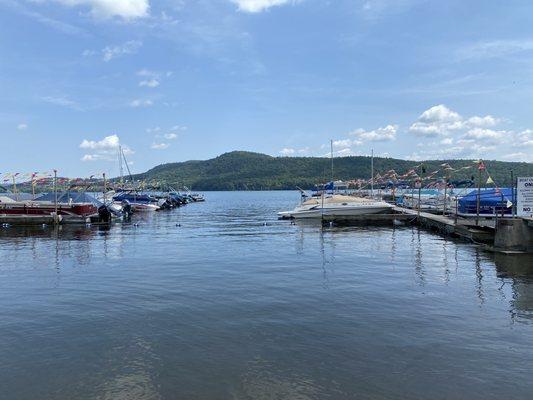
x: 83, y: 207
x: 487, y: 203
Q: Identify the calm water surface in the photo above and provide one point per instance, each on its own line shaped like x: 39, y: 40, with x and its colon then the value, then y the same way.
x: 234, y: 304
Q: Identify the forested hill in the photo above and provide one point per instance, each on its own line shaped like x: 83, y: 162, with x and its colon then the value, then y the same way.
x: 240, y: 170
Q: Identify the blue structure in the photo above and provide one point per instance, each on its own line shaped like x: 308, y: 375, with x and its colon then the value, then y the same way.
x: 491, y: 202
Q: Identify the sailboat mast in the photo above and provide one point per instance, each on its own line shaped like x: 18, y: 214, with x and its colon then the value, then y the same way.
x: 120, y: 165
x: 127, y: 166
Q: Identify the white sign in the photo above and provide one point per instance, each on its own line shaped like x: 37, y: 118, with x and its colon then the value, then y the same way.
x: 524, y: 197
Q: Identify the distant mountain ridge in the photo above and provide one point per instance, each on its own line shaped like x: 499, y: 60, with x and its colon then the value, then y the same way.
x: 243, y: 170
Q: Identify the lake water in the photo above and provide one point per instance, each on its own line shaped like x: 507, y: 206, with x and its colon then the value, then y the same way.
x: 233, y: 304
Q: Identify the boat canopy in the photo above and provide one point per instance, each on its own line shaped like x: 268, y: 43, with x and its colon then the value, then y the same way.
x: 69, y: 197
x: 491, y: 202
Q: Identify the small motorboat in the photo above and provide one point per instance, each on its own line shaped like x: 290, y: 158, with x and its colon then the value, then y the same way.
x: 138, y: 202
x: 336, y: 205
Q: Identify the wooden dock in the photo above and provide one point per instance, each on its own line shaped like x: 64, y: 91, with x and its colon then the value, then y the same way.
x: 446, y: 225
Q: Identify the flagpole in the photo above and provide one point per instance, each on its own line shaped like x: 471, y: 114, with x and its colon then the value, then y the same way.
x: 372, y: 175
x: 55, y: 195
x: 478, y: 191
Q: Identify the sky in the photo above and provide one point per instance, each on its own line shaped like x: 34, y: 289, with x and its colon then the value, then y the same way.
x: 174, y: 80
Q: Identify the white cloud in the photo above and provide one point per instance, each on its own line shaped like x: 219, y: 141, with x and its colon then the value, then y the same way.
x: 159, y: 146
x: 255, y: 6
x: 384, y: 134
x: 447, y: 141
x: 91, y: 157
x: 178, y: 128
x: 440, y: 120
x: 524, y: 138
x: 141, y: 103
x: 125, y: 9
x: 439, y: 113
x: 22, y: 127
x: 437, y: 120
x: 107, y: 143
x: 129, y: 47
x: 104, y: 149
x: 481, y: 122
x: 151, y: 83
x: 287, y: 151
x: 480, y: 133
x: 170, y: 136
x: 342, y: 143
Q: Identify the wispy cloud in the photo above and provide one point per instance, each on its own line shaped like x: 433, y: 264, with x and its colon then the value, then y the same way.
x: 255, y: 6
x: 55, y: 24
x: 129, y: 47
x: 159, y: 146
x: 22, y: 127
x: 495, y: 49
x: 141, y: 103
x: 103, y: 9
x: 62, y: 101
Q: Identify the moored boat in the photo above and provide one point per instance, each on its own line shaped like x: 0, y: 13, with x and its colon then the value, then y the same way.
x: 337, y: 206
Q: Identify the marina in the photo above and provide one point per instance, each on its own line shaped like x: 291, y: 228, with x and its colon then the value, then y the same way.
x: 234, y: 303
x: 266, y: 200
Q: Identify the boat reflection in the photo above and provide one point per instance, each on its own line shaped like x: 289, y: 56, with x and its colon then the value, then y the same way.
x: 67, y: 232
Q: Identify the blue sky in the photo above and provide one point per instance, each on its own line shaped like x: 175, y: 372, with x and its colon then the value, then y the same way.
x: 174, y: 80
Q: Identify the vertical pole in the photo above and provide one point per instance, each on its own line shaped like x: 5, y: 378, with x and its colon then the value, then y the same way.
x: 419, y: 197
x: 445, y: 193
x: 372, y: 175
x: 512, y: 194
x: 456, y: 207
x: 55, y: 194
x: 15, y: 189
x: 478, y: 193
x: 105, y: 185
x: 502, y: 205
x: 33, y: 187
x: 331, y: 143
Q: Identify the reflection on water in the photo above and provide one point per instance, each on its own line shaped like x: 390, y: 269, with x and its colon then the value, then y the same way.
x: 221, y: 300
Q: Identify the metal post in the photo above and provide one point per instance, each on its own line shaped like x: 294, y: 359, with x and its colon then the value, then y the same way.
x: 419, y: 183
x: 513, y: 209
x: 445, y: 194
x: 105, y: 185
x: 55, y: 195
x: 372, y: 175
x: 478, y: 192
x: 502, y: 205
x: 331, y: 143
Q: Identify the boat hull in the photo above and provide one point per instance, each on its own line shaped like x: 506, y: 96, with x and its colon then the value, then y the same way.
x: 335, y: 212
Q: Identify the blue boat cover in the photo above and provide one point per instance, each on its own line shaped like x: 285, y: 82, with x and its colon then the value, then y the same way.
x: 491, y: 201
